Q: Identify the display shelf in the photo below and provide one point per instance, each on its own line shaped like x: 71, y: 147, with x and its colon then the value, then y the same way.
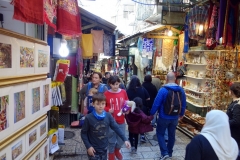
x: 193, y: 77
x: 193, y: 90
x: 192, y: 96
x: 196, y: 105
x: 185, y: 131
x: 196, y: 64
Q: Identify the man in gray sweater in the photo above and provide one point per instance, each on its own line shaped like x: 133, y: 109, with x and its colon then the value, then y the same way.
x: 96, y: 128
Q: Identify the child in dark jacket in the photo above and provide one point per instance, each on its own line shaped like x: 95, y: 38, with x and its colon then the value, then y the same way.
x: 138, y: 123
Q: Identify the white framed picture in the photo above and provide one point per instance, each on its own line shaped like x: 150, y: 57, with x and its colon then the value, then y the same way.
x: 18, y: 148
x: 8, y: 56
x: 25, y: 57
x: 43, y: 129
x: 46, y: 95
x: 45, y: 150
x: 37, y: 156
x: 32, y: 138
x: 5, y: 154
x: 6, y: 112
x: 42, y: 60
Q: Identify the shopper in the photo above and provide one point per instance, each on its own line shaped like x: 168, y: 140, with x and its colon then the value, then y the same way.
x: 88, y: 100
x: 170, y: 95
x: 95, y: 130
x: 105, y: 79
x: 138, y: 123
x: 115, y: 98
x: 215, y: 141
x: 134, y: 90
x: 233, y: 112
x: 95, y: 83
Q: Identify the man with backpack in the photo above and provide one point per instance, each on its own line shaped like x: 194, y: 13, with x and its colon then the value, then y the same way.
x: 170, y: 102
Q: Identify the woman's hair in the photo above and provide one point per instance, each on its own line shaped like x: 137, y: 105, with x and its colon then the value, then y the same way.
x: 113, y: 79
x: 148, y: 78
x: 93, y: 90
x: 98, y: 97
x: 139, y: 104
x: 98, y: 73
x: 235, y: 88
x: 134, y: 83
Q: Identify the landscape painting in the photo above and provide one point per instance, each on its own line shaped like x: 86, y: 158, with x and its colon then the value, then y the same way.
x: 35, y: 100
x: 43, y: 129
x: 17, y: 150
x: 19, y: 106
x: 5, y: 56
x: 42, y: 58
x: 32, y: 137
x: 26, y: 57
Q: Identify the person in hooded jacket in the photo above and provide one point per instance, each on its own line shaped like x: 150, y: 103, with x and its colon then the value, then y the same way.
x: 138, y: 123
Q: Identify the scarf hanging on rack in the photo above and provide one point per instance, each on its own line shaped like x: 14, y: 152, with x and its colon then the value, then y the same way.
x: 87, y: 46
x: 68, y: 17
x: 50, y: 13
x: 97, y: 41
x: 109, y: 45
x: 186, y: 38
x: 221, y: 19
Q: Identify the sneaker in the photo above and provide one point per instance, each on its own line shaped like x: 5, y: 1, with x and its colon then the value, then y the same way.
x: 143, y: 139
x: 134, y: 151
x: 164, y: 157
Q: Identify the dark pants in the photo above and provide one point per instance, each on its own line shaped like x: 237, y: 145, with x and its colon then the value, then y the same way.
x: 102, y: 155
x: 135, y: 136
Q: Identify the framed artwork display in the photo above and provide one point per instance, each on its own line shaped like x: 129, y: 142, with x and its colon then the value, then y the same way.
x: 32, y: 138
x: 43, y: 126
x: 25, y: 57
x: 5, y: 154
x: 37, y: 156
x: 18, y: 149
x: 42, y: 60
x: 46, y: 95
x: 7, y: 56
x: 20, y: 106
x: 45, y: 150
x: 5, y: 112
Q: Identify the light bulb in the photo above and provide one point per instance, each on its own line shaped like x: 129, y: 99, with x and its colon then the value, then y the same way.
x: 170, y: 33
x: 200, y: 27
x: 63, y: 51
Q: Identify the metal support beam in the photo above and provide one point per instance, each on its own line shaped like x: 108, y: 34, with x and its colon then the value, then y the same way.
x: 89, y: 26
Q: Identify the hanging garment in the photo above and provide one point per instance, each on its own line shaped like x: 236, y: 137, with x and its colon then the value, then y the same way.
x: 221, y: 19
x: 87, y: 46
x: 147, y: 47
x: 140, y: 44
x: 167, y: 52
x: 28, y: 11
x: 97, y: 41
x: 186, y: 38
x: 50, y: 13
x: 108, y: 45
x: 211, y: 41
x: 72, y: 66
x: 158, y: 45
x: 68, y: 18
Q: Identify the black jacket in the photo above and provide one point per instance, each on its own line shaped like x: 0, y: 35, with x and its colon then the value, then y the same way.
x: 152, y: 91
x: 233, y: 113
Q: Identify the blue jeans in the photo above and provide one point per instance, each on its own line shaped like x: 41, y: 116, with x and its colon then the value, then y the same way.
x: 162, y: 125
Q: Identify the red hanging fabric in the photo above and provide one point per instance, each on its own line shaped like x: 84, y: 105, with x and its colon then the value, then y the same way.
x: 50, y: 13
x: 30, y: 11
x: 68, y: 17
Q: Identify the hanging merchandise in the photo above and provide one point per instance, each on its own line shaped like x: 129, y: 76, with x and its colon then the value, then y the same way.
x: 181, y: 46
x: 50, y: 13
x: 61, y: 71
x: 147, y: 48
x: 87, y: 46
x: 109, y: 45
x: 140, y: 44
x: 186, y: 38
x: 221, y: 19
x: 175, y: 58
x: 74, y: 100
x: 73, y: 65
x: 167, y: 52
x: 68, y: 18
x: 97, y: 41
x: 158, y: 45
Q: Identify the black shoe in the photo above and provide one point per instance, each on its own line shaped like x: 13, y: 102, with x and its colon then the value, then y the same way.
x: 143, y: 139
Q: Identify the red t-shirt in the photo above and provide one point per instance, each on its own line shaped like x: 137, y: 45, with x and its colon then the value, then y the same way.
x: 115, y: 101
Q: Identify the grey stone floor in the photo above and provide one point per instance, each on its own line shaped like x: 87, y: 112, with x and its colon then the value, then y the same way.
x: 74, y: 148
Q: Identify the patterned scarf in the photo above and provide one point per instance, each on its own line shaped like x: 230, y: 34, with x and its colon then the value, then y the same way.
x: 99, y: 116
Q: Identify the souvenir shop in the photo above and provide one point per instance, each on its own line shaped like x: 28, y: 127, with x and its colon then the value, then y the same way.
x: 204, y: 54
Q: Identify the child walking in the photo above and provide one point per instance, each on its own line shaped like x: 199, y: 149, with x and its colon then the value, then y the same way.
x: 138, y: 123
x: 115, y: 99
x: 88, y: 100
x: 95, y: 129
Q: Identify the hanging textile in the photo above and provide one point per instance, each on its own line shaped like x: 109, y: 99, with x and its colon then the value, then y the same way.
x: 68, y: 17
x: 181, y: 46
x: 73, y: 65
x: 158, y: 45
x: 74, y: 98
x: 30, y: 11
x: 221, y: 19
x: 140, y: 44
x: 147, y: 48
x: 50, y: 13
x: 167, y: 52
x: 87, y: 46
x: 186, y: 38
x: 109, y: 45
x: 97, y: 41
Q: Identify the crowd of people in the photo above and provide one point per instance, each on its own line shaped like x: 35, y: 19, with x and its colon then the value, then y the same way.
x: 103, y: 132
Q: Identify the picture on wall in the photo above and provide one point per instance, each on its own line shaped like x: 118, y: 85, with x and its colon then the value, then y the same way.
x: 45, y: 152
x: 4, y: 104
x: 35, y: 100
x: 32, y: 137
x: 17, y: 150
x: 26, y: 57
x: 3, y: 157
x: 5, y: 55
x: 19, y: 106
x: 37, y: 156
x: 43, y: 129
x: 43, y: 58
x: 45, y: 95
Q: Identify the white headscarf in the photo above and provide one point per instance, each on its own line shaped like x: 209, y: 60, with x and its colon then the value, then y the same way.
x: 217, y: 131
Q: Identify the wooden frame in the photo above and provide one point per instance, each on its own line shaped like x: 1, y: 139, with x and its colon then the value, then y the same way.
x: 154, y: 34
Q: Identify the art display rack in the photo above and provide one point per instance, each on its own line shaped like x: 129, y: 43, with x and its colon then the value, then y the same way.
x: 24, y: 124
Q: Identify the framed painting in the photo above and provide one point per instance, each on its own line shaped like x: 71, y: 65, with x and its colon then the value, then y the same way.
x: 25, y: 57
x: 45, y: 150
x: 20, y: 106
x: 46, y: 95
x: 42, y: 60
x: 7, y: 56
x: 6, y: 123
x: 37, y: 156
x: 32, y: 138
x: 5, y: 154
x: 34, y: 100
x: 43, y: 127
x: 18, y: 149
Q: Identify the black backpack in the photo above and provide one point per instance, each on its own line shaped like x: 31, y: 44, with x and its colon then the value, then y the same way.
x: 173, y: 104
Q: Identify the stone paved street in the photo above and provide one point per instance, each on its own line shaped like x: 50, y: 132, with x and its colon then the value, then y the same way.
x: 74, y: 148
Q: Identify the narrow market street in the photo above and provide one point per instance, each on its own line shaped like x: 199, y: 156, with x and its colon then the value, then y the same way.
x: 74, y: 148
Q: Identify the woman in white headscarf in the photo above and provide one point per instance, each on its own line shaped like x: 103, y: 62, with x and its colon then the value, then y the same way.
x: 215, y: 141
